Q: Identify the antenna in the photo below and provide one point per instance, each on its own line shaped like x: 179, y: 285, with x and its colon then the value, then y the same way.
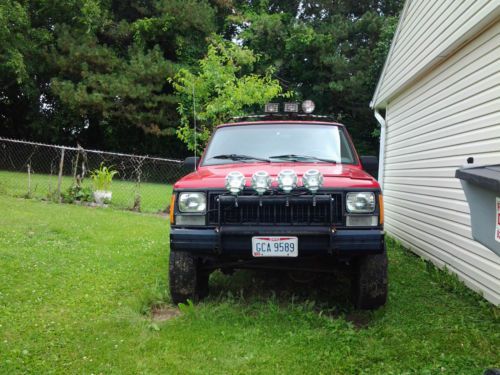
x: 194, y: 121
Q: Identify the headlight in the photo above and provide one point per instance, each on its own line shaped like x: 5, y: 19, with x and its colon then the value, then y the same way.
x: 261, y: 182
x: 287, y: 180
x: 312, y: 180
x: 363, y: 202
x: 235, y: 182
x: 192, y: 202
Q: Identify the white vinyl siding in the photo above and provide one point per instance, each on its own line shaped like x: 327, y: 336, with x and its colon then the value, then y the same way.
x: 433, y: 126
x: 428, y: 32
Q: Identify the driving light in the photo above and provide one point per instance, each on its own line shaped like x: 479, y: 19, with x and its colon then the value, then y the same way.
x: 363, y: 202
x: 261, y: 182
x: 235, y: 182
x: 312, y: 180
x: 272, y: 108
x: 287, y: 180
x: 291, y: 107
x: 308, y: 106
x: 192, y: 202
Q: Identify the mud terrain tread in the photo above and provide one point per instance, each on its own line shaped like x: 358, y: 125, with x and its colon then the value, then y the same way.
x: 370, y: 281
x: 183, y: 277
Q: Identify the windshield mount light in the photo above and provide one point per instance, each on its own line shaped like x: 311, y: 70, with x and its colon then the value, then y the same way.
x: 235, y: 182
x: 312, y: 180
x: 287, y: 180
x: 261, y: 182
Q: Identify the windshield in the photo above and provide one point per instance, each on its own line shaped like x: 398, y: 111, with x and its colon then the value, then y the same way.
x: 279, y: 142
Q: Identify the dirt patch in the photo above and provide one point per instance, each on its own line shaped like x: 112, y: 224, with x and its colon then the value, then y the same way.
x: 164, y: 313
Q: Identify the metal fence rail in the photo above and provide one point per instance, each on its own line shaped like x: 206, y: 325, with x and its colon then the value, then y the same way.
x: 44, y: 171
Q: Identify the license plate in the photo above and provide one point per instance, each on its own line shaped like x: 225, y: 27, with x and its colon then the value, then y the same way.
x: 275, y: 246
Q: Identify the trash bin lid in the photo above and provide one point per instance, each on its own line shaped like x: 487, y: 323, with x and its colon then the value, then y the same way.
x: 487, y: 176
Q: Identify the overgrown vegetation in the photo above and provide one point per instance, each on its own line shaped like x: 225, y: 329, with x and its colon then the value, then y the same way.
x: 78, y: 287
x: 77, y: 193
x: 220, y: 90
x: 95, y: 72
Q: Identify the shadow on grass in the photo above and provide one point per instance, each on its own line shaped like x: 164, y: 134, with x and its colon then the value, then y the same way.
x: 327, y: 294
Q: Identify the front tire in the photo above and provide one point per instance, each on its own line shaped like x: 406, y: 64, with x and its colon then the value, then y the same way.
x: 187, y: 281
x: 370, y: 281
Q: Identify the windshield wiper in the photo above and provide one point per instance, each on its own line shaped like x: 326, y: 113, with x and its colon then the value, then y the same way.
x: 295, y: 157
x: 239, y: 157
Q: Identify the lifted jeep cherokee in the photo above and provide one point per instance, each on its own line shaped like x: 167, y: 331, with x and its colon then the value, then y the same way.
x: 278, y: 194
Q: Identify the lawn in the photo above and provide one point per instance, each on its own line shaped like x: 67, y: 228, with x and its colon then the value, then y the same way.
x: 77, y: 287
x: 155, y: 197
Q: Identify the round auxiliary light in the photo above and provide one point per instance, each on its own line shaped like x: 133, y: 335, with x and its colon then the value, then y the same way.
x: 287, y: 180
x: 312, y: 180
x: 308, y: 106
x: 235, y: 182
x: 261, y: 182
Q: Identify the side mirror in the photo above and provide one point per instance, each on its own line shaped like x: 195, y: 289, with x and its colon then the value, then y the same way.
x: 191, y: 162
x: 370, y: 165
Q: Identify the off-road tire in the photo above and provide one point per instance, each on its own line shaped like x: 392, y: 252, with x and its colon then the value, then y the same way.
x: 369, y: 282
x: 187, y: 281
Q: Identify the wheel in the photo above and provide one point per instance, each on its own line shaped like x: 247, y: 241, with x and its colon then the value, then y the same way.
x: 370, y: 281
x: 187, y: 281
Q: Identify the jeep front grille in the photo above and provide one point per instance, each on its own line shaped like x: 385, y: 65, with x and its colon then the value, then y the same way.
x: 323, y: 209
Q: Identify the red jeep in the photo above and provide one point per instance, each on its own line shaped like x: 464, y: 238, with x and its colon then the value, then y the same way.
x: 278, y: 193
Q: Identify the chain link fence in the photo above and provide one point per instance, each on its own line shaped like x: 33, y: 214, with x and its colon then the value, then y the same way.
x: 59, y: 173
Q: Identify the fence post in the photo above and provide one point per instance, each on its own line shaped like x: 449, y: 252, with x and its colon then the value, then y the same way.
x: 29, y: 180
x: 75, y: 166
x: 59, y: 177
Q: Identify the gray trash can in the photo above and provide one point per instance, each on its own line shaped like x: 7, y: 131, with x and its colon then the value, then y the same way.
x: 482, y: 190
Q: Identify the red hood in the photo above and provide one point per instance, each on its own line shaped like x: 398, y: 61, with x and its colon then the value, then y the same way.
x: 335, y: 176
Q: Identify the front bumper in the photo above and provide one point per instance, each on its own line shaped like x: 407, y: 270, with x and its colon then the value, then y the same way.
x: 236, y: 241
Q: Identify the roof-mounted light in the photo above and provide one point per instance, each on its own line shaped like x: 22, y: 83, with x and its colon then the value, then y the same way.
x: 272, y: 108
x: 308, y: 106
x: 291, y: 107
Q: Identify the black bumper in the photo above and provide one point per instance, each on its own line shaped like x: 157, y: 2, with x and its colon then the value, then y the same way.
x: 313, y: 241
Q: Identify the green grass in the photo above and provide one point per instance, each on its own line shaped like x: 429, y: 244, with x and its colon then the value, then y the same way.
x: 77, y: 284
x: 154, y: 197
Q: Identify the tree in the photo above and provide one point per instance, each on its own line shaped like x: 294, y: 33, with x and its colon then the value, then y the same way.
x: 328, y: 51
x: 223, y: 88
x: 94, y: 71
x: 112, y: 68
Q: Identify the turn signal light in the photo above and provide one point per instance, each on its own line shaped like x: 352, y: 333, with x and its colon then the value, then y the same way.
x: 172, y: 209
x: 381, y: 208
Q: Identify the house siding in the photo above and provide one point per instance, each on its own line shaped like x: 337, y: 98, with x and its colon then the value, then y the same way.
x: 433, y: 126
x: 428, y: 32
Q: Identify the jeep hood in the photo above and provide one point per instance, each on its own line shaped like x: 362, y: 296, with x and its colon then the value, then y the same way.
x: 335, y: 176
